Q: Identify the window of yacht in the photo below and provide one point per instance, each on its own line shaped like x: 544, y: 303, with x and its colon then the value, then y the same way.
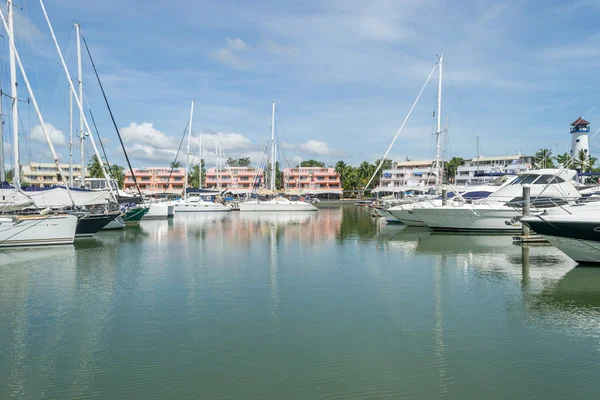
x: 525, y: 179
x: 547, y: 179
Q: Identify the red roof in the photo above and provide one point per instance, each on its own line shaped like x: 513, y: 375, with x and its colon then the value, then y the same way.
x: 579, y: 121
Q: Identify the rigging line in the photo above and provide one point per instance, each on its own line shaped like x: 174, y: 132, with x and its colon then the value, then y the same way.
x: 401, y: 127
x: 112, y: 117
x: 176, y: 156
x: 100, y: 140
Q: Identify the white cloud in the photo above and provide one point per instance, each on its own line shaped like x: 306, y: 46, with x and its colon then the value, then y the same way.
x: 227, y: 55
x: 147, y: 144
x: 237, y: 44
x: 146, y: 134
x: 281, y: 49
x: 315, y: 148
x: 56, y: 135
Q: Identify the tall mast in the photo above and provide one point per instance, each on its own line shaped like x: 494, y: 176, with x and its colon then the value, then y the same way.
x: 2, y: 172
x: 477, y: 154
x: 70, y: 138
x: 438, y: 144
x: 15, y: 57
x: 79, y: 102
x: 14, y: 108
x: 80, y: 81
x: 217, y: 167
x: 187, y: 155
x: 200, y: 179
x: 273, y: 153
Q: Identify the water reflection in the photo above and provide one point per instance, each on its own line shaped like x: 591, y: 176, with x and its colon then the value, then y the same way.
x: 232, y: 306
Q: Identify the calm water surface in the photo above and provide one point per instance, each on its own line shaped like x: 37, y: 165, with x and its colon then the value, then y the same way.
x: 326, y: 305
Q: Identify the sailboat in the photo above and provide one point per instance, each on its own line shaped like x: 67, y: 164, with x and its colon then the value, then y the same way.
x: 194, y: 203
x: 34, y: 230
x: 277, y: 203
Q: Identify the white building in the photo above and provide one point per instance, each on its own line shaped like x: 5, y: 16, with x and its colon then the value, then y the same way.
x: 46, y: 174
x: 580, y: 129
x: 480, y: 169
x: 408, y: 175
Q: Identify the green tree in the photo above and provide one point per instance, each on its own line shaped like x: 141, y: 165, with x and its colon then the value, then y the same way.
x: 312, y: 163
x: 194, y: 177
x: 452, y: 167
x: 583, y: 161
x: 239, y: 162
x: 543, y: 159
x: 9, y: 176
x: 563, y: 159
x: 94, y: 168
x: 176, y: 164
x: 118, y: 174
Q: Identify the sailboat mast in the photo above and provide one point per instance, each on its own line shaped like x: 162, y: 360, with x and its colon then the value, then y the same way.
x: 2, y: 172
x: 80, y: 81
x: 273, y: 152
x: 187, y: 154
x: 70, y: 138
x: 79, y: 102
x: 14, y: 107
x: 200, y: 167
x: 438, y: 144
x: 15, y: 57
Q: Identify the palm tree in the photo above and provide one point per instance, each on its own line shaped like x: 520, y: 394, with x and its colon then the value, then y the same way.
x: 563, y: 159
x: 452, y: 167
x: 341, y: 168
x: 94, y: 168
x: 176, y: 164
x: 117, y: 173
x: 583, y: 161
x: 543, y: 159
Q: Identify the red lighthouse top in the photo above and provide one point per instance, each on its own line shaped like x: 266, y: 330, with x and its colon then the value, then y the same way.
x: 579, y: 121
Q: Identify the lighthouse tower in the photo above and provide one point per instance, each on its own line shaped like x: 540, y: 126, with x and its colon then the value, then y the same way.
x: 579, y: 135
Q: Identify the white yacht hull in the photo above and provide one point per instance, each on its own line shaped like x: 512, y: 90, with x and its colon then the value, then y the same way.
x: 407, y: 217
x: 580, y: 250
x: 468, y: 218
x: 37, y: 230
x: 388, y: 216
x: 274, y: 205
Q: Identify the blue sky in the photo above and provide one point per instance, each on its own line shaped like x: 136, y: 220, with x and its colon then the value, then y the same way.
x: 343, y: 75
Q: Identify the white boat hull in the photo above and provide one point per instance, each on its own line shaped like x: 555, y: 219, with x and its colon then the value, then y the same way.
x: 388, y: 216
x: 580, y: 250
x: 407, y: 217
x: 38, y: 231
x: 274, y: 205
x: 200, y: 207
x: 158, y: 211
x: 468, y: 218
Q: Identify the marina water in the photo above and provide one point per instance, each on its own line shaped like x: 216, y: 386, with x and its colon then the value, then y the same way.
x: 325, y: 305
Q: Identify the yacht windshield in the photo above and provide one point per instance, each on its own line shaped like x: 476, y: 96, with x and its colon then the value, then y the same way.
x: 526, y: 179
x: 499, y: 181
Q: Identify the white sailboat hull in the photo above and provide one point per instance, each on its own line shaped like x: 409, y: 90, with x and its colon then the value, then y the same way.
x: 275, y: 205
x: 202, y: 206
x: 37, y: 230
x: 159, y: 211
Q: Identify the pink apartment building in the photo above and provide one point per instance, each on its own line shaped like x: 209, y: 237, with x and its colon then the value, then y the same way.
x: 312, y: 180
x: 155, y: 179
x: 239, y: 178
